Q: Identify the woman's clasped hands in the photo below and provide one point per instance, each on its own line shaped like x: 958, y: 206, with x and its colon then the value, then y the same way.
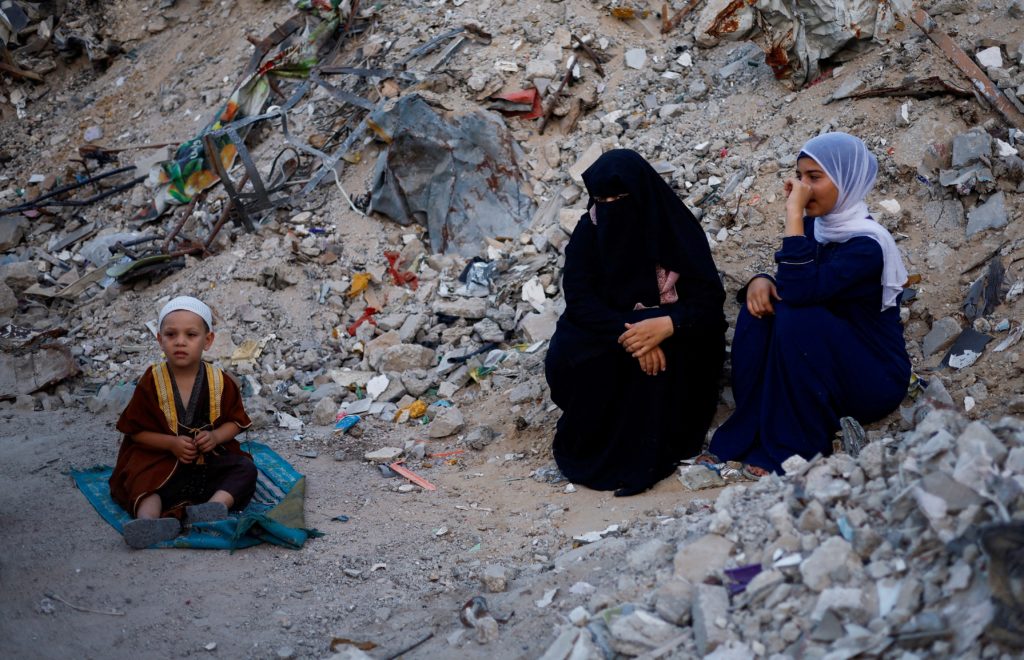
x: 643, y: 340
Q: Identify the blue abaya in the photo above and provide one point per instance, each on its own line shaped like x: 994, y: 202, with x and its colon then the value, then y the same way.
x: 826, y: 353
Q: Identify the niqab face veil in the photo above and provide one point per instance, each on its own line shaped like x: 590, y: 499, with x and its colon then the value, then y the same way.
x: 647, y: 228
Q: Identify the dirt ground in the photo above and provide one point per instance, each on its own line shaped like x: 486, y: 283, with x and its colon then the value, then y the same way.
x: 413, y: 576
x: 404, y: 563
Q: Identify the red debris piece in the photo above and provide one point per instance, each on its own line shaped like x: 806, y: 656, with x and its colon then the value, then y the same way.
x: 529, y: 97
x: 366, y: 317
x: 400, y: 278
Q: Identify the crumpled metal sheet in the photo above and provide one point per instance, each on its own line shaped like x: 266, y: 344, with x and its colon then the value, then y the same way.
x: 459, y: 176
x: 797, y: 35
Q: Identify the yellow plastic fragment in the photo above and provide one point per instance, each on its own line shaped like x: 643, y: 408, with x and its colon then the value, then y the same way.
x: 359, y: 283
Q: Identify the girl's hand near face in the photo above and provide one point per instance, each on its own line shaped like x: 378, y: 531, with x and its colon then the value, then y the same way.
x: 760, y: 293
x: 798, y: 194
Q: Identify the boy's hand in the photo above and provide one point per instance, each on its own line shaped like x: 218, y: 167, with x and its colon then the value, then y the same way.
x: 206, y: 441
x: 184, y: 449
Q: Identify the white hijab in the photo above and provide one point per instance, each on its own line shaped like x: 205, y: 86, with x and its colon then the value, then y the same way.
x: 852, y: 168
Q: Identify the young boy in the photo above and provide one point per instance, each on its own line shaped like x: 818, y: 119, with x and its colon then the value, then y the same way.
x: 179, y: 457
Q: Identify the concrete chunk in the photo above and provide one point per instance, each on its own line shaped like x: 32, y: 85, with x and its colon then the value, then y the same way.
x: 710, y: 607
x: 467, y: 308
x: 832, y: 560
x: 695, y: 561
x: 587, y: 159
x: 990, y: 215
x: 971, y: 147
x: 942, y: 334
x: 640, y: 632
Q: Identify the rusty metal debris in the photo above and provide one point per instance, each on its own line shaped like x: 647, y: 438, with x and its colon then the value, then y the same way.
x: 549, y: 109
x: 51, y: 198
x: 918, y: 88
x: 981, y: 83
x: 596, y: 58
x: 669, y: 24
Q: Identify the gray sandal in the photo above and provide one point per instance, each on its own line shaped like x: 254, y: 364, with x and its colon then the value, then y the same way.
x: 205, y: 512
x: 144, y: 532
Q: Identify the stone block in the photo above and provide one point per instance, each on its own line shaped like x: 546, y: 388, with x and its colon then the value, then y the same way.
x: 832, y: 560
x: 710, y: 608
x: 990, y: 215
x: 673, y: 601
x: 699, y: 559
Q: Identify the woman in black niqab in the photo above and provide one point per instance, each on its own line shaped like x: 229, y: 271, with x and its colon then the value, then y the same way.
x: 635, y: 360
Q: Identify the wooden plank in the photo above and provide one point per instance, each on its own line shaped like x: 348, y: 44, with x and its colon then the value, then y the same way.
x: 412, y: 476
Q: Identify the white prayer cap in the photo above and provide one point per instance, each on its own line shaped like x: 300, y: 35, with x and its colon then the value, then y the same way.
x: 188, y: 304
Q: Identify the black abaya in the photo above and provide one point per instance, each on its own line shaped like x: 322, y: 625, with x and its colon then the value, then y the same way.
x: 620, y: 427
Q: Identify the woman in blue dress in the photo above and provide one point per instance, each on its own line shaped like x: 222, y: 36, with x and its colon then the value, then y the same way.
x: 822, y: 339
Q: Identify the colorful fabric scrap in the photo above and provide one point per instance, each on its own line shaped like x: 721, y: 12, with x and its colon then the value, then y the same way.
x: 190, y: 172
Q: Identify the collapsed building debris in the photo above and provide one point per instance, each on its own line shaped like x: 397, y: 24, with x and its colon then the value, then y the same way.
x: 818, y: 577
x: 461, y: 178
x: 357, y: 345
x: 797, y: 38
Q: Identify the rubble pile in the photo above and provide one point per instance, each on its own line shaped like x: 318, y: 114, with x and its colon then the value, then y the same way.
x: 844, y: 556
x: 397, y: 280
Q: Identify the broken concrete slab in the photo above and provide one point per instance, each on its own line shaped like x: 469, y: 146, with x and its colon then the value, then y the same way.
x: 404, y: 357
x: 699, y: 559
x: 710, y: 611
x: 586, y: 159
x: 12, y: 230
x: 971, y: 147
x: 448, y: 422
x: 466, y: 308
x: 990, y: 215
x: 947, y: 214
x: 539, y: 327
x: 27, y: 371
x: 944, y: 331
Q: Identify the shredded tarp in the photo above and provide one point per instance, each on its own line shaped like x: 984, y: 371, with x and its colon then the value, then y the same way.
x: 190, y: 171
x: 798, y: 35
x: 458, y: 176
